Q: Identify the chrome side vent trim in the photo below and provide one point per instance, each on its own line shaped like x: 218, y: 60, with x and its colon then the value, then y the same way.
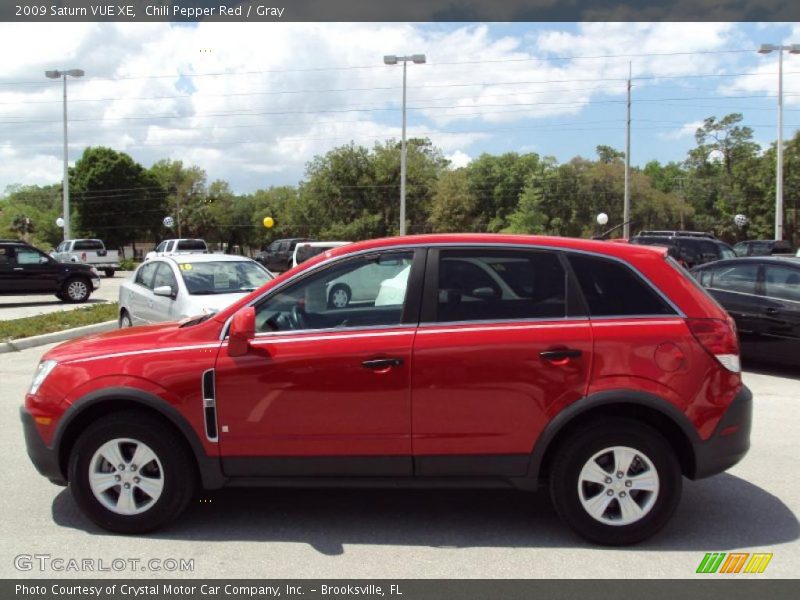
x: 210, y: 405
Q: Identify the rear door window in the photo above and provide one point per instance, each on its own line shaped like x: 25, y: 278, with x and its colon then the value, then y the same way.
x: 736, y: 278
x: 612, y: 288
x: 489, y: 285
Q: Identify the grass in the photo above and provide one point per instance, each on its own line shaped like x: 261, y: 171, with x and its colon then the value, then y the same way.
x: 59, y: 321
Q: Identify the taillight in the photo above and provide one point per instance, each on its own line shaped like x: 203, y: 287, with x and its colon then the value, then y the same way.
x: 718, y: 338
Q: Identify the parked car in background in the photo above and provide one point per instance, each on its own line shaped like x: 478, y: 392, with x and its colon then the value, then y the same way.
x: 305, y: 250
x: 362, y: 286
x: 277, y: 257
x: 763, y: 296
x: 179, y: 246
x: 762, y: 248
x: 690, y: 248
x: 27, y: 270
x: 171, y: 288
x: 608, y: 378
x: 90, y: 252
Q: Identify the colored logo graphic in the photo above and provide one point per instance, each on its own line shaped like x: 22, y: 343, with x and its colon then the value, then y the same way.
x: 735, y: 562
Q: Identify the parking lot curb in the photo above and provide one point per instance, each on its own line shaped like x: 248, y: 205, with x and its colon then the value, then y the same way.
x: 56, y: 336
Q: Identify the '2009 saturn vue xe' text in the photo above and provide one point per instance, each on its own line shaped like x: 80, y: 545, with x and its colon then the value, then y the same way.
x: 601, y: 371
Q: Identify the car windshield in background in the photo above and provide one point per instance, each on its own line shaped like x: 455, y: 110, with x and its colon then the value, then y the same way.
x: 192, y: 245
x: 203, y: 278
x: 306, y: 252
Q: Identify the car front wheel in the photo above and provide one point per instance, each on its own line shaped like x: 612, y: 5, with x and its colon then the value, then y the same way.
x: 76, y: 290
x: 616, y: 482
x: 130, y: 473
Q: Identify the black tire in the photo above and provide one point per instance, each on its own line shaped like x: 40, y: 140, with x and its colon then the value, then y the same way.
x: 109, y: 272
x: 339, y: 296
x: 125, y: 320
x: 179, y: 473
x: 576, y: 452
x: 76, y: 290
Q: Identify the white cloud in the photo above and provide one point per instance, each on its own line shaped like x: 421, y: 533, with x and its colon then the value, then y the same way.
x: 458, y: 159
x: 254, y: 103
x: 687, y: 130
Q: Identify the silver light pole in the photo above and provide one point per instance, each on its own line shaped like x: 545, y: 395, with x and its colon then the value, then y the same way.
x: 63, y: 75
x: 792, y: 49
x: 393, y: 60
x: 626, y: 208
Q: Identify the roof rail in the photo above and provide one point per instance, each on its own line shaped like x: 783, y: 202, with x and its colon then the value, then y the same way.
x: 677, y: 233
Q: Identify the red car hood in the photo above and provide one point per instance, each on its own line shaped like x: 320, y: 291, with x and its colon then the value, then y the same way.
x: 133, y: 339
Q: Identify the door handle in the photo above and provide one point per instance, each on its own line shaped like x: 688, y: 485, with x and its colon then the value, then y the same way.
x: 771, y: 311
x: 382, y: 363
x: 561, y: 356
x: 19, y: 268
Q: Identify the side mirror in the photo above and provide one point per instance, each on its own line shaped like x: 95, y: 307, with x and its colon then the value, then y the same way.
x: 164, y: 290
x: 242, y: 330
x: 485, y: 293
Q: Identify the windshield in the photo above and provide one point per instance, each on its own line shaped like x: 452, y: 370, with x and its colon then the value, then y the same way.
x: 223, y: 277
x: 727, y: 251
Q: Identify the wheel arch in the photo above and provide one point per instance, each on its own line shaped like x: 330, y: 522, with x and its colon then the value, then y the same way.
x: 97, y: 404
x: 639, y: 406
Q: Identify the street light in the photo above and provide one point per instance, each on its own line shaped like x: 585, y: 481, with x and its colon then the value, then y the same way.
x: 60, y: 75
x: 792, y: 49
x: 393, y: 60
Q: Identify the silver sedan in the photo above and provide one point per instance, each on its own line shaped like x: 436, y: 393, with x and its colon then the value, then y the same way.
x: 176, y: 287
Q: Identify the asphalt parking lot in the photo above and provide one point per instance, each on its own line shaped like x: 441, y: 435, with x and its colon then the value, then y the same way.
x: 421, y: 533
x: 17, y: 307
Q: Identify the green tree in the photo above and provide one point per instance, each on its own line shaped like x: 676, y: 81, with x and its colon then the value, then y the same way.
x: 116, y: 198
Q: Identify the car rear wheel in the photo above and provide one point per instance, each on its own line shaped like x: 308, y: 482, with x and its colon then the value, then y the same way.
x: 339, y: 296
x: 615, y: 482
x: 130, y: 473
x: 76, y: 290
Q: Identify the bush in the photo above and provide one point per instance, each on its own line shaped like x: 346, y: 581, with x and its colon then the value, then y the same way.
x: 127, y: 264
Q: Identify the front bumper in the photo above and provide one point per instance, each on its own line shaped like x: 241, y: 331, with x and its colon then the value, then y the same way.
x: 730, y: 440
x: 95, y: 283
x: 43, y: 458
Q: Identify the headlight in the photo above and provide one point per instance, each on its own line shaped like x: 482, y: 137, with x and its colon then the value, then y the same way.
x: 41, y: 374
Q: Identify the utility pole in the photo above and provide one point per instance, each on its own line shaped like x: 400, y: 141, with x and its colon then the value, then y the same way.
x: 626, y: 211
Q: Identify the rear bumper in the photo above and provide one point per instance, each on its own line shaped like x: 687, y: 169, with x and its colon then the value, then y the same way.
x: 43, y: 458
x: 730, y: 440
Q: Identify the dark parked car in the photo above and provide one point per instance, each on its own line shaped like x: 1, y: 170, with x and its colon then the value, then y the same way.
x: 27, y: 270
x: 690, y: 248
x: 762, y: 248
x: 762, y: 294
x: 277, y: 256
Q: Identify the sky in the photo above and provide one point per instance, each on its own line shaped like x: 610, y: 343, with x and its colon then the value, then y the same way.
x: 252, y: 103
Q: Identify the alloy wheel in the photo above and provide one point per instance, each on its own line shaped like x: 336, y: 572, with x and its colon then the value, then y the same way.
x: 126, y: 476
x: 618, y: 486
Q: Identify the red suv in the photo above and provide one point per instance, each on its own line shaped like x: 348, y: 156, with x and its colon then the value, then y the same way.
x: 602, y: 371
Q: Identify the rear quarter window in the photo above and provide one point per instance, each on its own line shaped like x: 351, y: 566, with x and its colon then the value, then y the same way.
x: 611, y: 288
